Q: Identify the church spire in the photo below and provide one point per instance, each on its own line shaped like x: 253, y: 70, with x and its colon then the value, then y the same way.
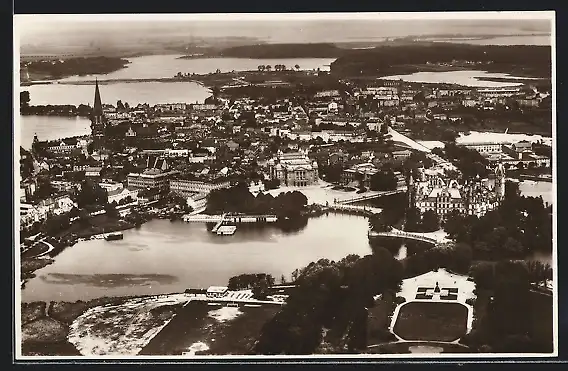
x: 97, y: 106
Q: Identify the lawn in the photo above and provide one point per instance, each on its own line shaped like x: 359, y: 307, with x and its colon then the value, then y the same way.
x: 431, y: 321
x: 195, y: 323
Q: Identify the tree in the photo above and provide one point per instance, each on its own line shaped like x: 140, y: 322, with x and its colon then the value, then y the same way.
x: 215, y: 91
x: 24, y: 99
x: 119, y: 105
x: 384, y: 181
x: 111, y: 211
x: 297, y: 67
x: 462, y: 257
x: 268, y: 67
x: 91, y: 194
x: 512, y: 247
x: 430, y: 221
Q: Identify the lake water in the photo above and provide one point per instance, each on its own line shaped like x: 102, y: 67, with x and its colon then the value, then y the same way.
x: 485, y: 136
x: 50, y: 127
x: 130, y: 92
x: 166, y: 66
x: 467, y: 78
x: 535, y: 189
x: 502, y: 40
x: 154, y: 67
x: 165, y: 257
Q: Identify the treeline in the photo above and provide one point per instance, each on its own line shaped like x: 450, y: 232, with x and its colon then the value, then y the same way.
x: 516, y: 319
x: 316, y: 50
x: 519, y: 226
x: 531, y: 59
x: 329, y: 306
x: 259, y: 283
x: 468, y: 161
x: 77, y: 66
x: 57, y: 110
x: 239, y: 199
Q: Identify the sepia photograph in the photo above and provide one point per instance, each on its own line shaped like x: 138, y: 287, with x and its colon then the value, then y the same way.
x: 285, y: 186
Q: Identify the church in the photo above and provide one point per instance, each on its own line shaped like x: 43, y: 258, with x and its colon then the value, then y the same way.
x: 98, y: 125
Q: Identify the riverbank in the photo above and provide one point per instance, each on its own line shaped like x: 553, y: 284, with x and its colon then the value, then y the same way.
x: 45, y: 325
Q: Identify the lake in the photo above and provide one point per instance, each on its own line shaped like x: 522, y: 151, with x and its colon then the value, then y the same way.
x: 470, y: 78
x: 166, y: 66
x: 155, y: 67
x: 487, y: 136
x: 50, y: 127
x: 165, y: 257
x: 538, y: 188
x: 131, y: 92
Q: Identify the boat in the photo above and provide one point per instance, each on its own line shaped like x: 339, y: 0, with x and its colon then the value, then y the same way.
x: 114, y: 236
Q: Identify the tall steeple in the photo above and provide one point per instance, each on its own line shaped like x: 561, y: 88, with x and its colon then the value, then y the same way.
x: 97, y: 106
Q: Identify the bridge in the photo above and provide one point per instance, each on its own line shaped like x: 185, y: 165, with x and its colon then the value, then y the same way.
x: 407, y: 235
x: 365, y: 210
x: 219, y: 223
x: 203, y: 218
x: 371, y: 196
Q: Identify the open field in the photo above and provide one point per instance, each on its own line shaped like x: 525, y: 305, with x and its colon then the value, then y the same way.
x: 218, y: 329
x: 431, y: 321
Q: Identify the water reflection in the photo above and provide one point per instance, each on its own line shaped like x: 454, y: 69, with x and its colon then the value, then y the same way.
x: 107, y: 280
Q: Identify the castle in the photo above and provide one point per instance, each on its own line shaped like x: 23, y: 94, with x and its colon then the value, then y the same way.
x: 475, y: 197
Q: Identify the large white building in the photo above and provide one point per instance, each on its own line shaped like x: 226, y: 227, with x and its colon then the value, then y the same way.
x: 293, y: 169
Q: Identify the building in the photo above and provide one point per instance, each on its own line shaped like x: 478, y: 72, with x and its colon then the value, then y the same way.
x: 197, y: 201
x: 484, y: 147
x: 443, y: 197
x: 186, y: 187
x: 151, y: 179
x: 216, y: 292
x: 116, y: 192
x: 98, y: 121
x: 360, y: 174
x: 293, y: 169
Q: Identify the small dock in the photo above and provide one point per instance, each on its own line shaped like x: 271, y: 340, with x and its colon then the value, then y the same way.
x: 226, y: 230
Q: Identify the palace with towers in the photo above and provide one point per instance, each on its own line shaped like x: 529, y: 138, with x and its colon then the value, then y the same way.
x: 475, y: 197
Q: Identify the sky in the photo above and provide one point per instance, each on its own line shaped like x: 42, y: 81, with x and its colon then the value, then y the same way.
x: 274, y: 28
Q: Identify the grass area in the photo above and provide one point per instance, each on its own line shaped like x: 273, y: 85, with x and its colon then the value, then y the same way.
x: 30, y: 265
x: 32, y: 311
x: 97, y: 225
x: 379, y: 319
x: 44, y: 330
x: 193, y: 324
x: 431, y: 321
x: 417, y: 347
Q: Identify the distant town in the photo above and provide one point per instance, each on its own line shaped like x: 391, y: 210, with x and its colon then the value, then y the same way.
x: 452, y: 236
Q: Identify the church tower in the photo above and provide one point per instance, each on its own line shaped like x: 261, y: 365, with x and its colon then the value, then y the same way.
x: 98, y: 120
x: 500, y: 182
x: 411, y: 191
